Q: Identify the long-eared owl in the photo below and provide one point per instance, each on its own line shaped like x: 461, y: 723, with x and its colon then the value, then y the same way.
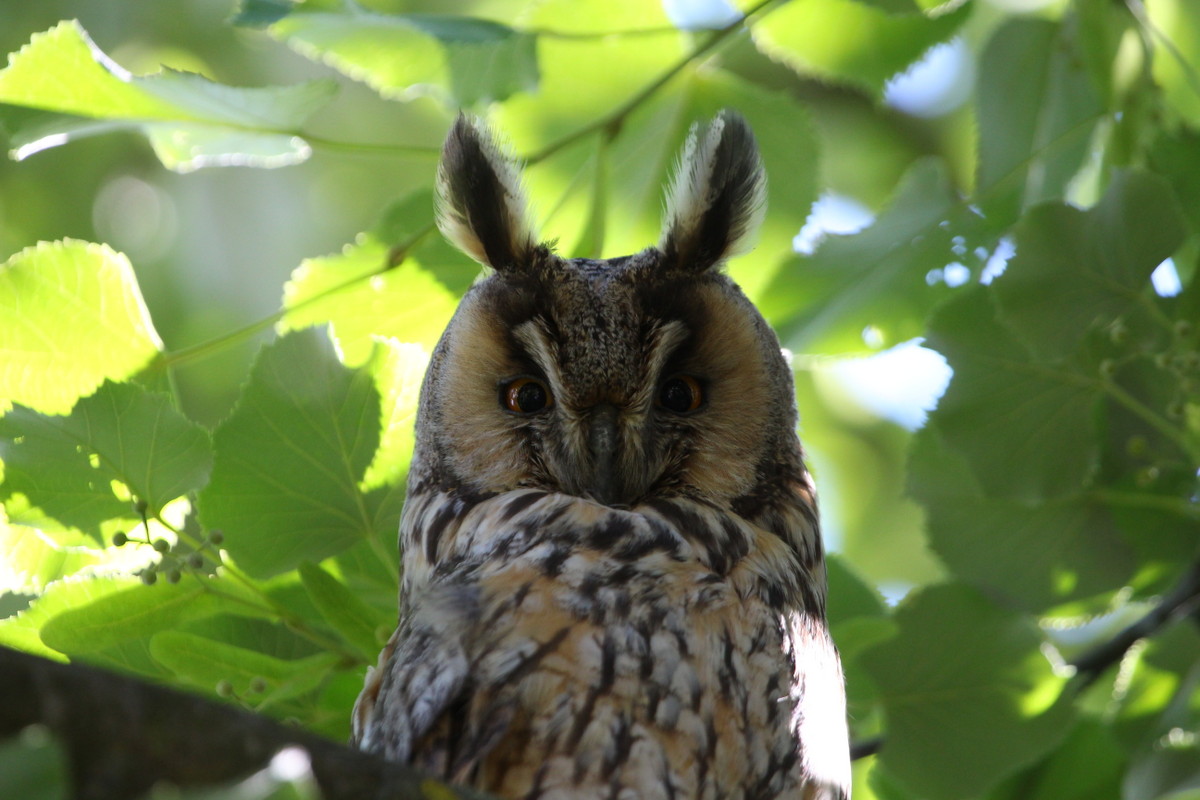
x: 614, y: 582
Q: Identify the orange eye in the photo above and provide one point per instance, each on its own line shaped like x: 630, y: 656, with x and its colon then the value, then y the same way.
x: 525, y: 396
x: 681, y: 394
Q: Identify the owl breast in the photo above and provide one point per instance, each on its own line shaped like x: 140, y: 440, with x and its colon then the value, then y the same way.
x: 605, y: 651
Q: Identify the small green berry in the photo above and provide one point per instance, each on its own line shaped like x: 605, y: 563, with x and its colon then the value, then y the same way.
x: 224, y: 689
x: 195, y: 561
x: 174, y: 576
x: 120, y: 539
x: 141, y: 506
x: 1107, y: 368
x: 216, y: 537
x: 149, y: 577
x: 1162, y: 360
x: 162, y: 545
x: 1118, y: 333
x: 258, y: 685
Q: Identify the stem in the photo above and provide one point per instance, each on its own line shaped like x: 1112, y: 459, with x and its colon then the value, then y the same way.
x: 616, y: 117
x: 265, y: 603
x: 1151, y: 418
x: 1173, y: 505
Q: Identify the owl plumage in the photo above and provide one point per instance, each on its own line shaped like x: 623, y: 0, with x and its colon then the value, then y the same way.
x: 613, y: 574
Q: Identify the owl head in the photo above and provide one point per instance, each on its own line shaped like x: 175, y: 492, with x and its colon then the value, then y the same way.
x: 620, y: 380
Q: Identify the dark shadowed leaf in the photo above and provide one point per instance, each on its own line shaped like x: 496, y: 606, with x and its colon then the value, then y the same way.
x: 1076, y: 269
x: 1027, y: 430
x: 1027, y: 557
x: 877, y: 277
x: 964, y: 687
x: 1037, y: 109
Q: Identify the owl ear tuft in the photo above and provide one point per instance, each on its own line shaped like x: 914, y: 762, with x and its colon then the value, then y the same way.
x: 717, y: 197
x: 481, y: 204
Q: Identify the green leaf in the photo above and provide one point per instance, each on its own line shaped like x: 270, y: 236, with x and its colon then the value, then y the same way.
x: 349, y: 616
x: 291, y: 456
x: 877, y: 277
x: 22, y: 632
x: 460, y: 61
x: 364, y: 297
x: 1028, y: 557
x: 33, y: 765
x: 811, y: 38
x: 133, y: 613
x: 73, y: 317
x: 967, y: 694
x: 1174, y: 68
x: 36, y: 551
x: 1026, y: 429
x: 1037, y: 109
x: 398, y: 370
x: 191, y: 122
x: 849, y: 595
x: 1075, y: 269
x: 204, y: 662
x: 66, y: 465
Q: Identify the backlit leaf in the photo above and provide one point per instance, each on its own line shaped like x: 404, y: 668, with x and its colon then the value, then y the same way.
x: 73, y: 316
x: 66, y: 465
x: 290, y: 459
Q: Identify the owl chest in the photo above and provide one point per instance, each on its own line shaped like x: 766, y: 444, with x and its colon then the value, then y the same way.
x: 662, y: 682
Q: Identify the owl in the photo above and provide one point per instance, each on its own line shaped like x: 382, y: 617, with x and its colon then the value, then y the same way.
x: 613, y: 582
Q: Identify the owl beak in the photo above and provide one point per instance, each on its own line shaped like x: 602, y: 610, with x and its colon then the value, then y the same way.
x: 602, y: 443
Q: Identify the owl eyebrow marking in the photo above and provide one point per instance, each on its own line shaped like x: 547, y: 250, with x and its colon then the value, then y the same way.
x: 665, y: 340
x: 533, y: 336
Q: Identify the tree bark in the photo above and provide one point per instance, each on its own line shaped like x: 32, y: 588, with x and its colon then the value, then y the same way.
x: 121, y: 736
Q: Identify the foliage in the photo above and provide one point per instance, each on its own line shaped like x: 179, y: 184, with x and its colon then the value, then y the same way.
x: 1057, y: 476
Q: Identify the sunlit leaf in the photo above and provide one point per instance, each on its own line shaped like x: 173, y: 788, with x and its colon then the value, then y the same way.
x: 66, y: 465
x: 191, y: 121
x: 364, y: 296
x: 398, y: 370
x: 1174, y: 67
x: 458, y: 60
x: 814, y: 38
x: 965, y: 688
x: 73, y: 316
x: 135, y: 612
x: 291, y: 456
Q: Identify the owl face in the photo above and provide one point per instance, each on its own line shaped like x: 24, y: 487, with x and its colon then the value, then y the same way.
x: 619, y: 380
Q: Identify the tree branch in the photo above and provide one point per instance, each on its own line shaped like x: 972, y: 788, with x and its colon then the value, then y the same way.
x: 1182, y: 600
x: 121, y: 736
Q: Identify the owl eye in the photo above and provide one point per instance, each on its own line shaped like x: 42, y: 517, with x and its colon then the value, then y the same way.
x: 525, y: 396
x: 681, y: 394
